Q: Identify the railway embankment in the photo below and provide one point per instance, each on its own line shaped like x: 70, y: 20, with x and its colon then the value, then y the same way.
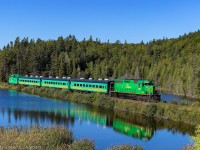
x: 185, y: 111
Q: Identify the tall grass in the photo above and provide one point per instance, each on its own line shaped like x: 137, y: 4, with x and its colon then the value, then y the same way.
x: 51, y: 138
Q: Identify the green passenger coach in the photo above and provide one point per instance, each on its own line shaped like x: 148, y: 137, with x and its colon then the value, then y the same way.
x: 30, y: 81
x: 101, y: 86
x: 55, y: 83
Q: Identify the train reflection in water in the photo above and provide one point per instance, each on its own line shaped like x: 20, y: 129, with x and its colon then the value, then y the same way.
x: 117, y: 124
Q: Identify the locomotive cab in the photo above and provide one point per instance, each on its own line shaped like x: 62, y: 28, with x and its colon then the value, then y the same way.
x: 149, y: 87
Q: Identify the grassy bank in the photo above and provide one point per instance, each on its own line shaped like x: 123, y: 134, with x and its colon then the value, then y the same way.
x: 187, y: 112
x: 51, y: 138
x: 41, y: 138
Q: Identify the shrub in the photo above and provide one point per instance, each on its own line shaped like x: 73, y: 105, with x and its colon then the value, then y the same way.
x: 83, y: 144
x: 37, y: 138
x: 125, y: 147
x: 196, y: 138
x: 150, y: 110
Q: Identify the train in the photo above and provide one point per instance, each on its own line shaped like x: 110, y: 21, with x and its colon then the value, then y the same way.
x: 135, y: 89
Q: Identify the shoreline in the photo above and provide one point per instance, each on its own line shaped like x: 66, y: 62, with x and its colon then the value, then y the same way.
x: 186, y: 112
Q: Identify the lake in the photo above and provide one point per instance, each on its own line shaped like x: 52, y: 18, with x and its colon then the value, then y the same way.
x: 104, y: 127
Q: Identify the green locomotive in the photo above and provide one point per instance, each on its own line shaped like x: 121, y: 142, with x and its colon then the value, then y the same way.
x: 128, y: 88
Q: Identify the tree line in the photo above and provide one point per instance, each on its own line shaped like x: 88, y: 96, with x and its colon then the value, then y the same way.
x: 173, y: 64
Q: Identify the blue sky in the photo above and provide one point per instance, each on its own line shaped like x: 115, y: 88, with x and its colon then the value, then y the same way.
x: 130, y: 20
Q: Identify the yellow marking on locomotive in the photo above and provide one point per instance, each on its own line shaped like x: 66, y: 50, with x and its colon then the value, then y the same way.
x: 128, y: 86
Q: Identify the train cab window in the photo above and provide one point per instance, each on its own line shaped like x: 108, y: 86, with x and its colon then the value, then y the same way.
x: 148, y: 84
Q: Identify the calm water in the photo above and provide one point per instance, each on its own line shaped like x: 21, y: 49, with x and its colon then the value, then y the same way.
x: 171, y: 97
x: 105, y: 128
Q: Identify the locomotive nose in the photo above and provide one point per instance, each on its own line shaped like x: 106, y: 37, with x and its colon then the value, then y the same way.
x: 150, y: 89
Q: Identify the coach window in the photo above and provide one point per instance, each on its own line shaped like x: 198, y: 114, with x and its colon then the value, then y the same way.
x: 96, y: 86
x: 100, y: 86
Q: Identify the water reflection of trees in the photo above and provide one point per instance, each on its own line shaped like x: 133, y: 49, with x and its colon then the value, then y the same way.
x: 134, y: 125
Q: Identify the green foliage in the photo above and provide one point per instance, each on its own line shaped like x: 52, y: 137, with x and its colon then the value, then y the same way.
x: 83, y: 144
x: 150, y: 110
x: 196, y: 138
x: 36, y: 138
x: 173, y: 64
x: 126, y: 147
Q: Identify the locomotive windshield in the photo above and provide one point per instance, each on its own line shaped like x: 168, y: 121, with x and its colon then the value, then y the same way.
x: 148, y: 84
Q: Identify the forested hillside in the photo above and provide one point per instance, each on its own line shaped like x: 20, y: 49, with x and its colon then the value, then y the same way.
x: 174, y: 64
